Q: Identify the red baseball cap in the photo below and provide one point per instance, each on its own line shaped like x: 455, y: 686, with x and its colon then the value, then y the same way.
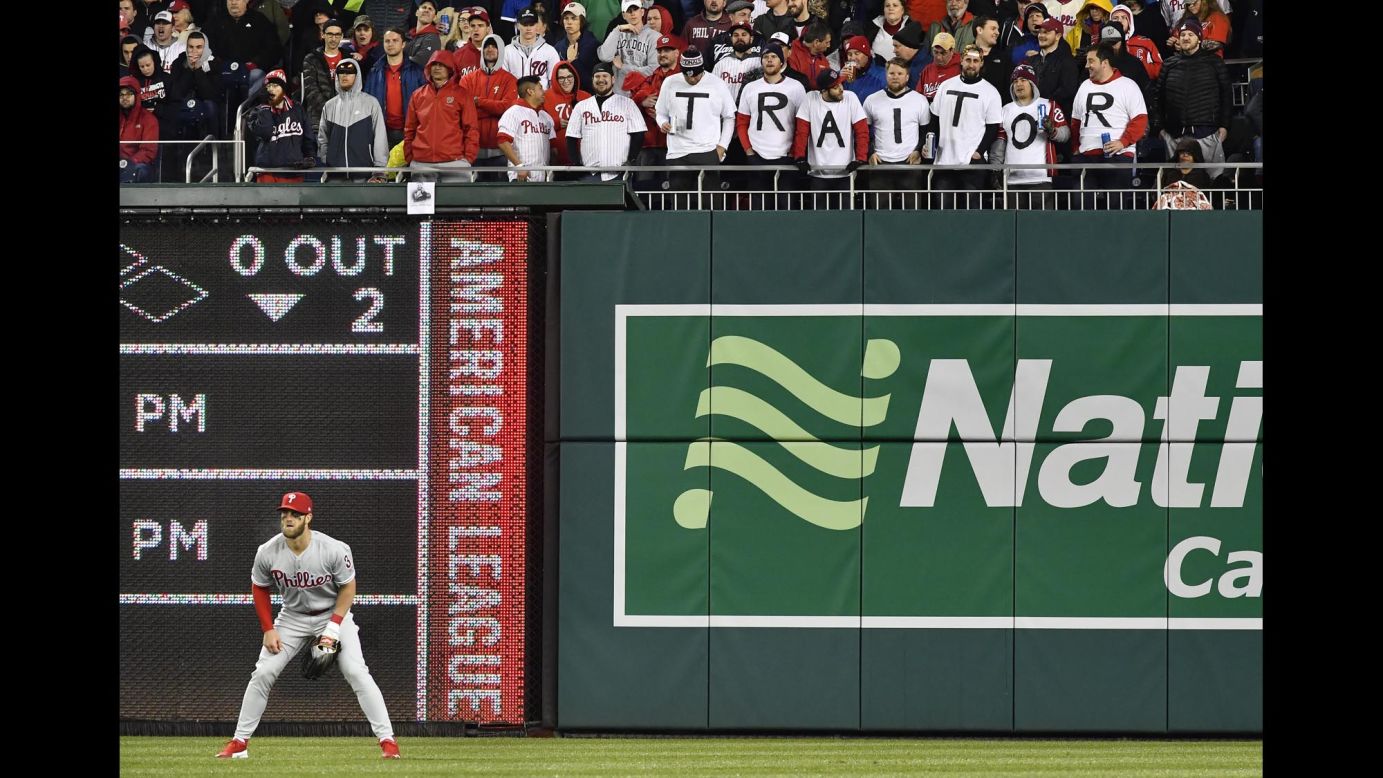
x: 857, y: 43
x: 297, y: 502
x: 668, y: 42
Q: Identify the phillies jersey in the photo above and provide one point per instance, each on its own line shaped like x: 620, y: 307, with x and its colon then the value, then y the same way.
x: 702, y: 116
x: 604, y: 128
x: 738, y: 72
x: 1026, y: 143
x: 897, y: 122
x: 1109, y: 107
x: 310, y: 582
x: 772, y: 113
x: 531, y: 131
x: 831, y: 141
x: 962, y: 111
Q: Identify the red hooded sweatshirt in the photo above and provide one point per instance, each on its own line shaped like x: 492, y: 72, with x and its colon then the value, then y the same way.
x: 137, y: 124
x: 496, y: 88
x: 558, y: 105
x: 441, y: 125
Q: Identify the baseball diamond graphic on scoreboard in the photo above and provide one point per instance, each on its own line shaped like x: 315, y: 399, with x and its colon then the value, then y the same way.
x: 378, y: 366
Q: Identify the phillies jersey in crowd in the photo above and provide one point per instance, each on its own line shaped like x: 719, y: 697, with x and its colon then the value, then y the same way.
x: 897, y: 122
x: 604, y: 129
x: 962, y: 111
x: 308, y: 583
x: 531, y: 130
x: 769, y: 115
x: 738, y: 72
x: 1115, y: 107
x: 1026, y: 142
x: 831, y: 134
x: 702, y: 116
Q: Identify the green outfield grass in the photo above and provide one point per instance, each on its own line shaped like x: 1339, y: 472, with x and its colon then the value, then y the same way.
x: 280, y: 756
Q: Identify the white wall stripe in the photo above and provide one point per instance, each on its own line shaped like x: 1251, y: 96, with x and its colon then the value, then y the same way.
x: 261, y: 474
x: 268, y: 349
x: 938, y: 622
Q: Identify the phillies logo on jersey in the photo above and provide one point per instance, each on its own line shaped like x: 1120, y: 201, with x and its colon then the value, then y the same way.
x: 535, y: 128
x: 605, y: 116
x: 299, y: 580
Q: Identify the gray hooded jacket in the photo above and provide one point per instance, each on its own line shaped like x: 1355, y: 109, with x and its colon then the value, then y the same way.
x: 351, y: 132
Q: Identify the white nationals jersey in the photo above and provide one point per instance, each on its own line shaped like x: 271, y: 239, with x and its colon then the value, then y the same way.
x: 702, y: 116
x: 738, y: 72
x: 308, y: 583
x: 1107, y: 107
x: 604, y: 130
x: 1026, y: 143
x: 897, y: 122
x: 962, y: 110
x: 532, y: 131
x: 772, y: 112
x: 832, y: 139
x: 540, y: 63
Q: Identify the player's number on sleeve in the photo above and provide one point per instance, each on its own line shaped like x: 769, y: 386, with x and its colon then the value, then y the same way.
x: 348, y: 561
x: 365, y: 322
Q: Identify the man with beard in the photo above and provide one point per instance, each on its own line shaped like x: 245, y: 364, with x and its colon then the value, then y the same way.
x: 740, y: 12
x: 393, y: 80
x: 1192, y: 96
x: 632, y: 47
x: 897, y: 116
x: 944, y: 65
x: 1128, y: 65
x: 606, y: 129
x: 1108, y: 106
x: 440, y: 134
x: 136, y: 124
x: 285, y: 138
x: 698, y: 116
x: 766, y: 120
x: 740, y: 67
x: 955, y: 23
x: 531, y: 55
x: 832, y: 136
x: 700, y: 29
x: 315, y: 575
x: 801, y: 16
x: 968, y: 113
x: 1033, y: 127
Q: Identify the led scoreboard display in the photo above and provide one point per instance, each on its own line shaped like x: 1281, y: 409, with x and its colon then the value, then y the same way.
x: 379, y: 366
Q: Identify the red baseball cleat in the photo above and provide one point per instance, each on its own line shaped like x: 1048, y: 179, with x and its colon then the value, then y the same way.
x: 236, y: 749
x: 390, y: 749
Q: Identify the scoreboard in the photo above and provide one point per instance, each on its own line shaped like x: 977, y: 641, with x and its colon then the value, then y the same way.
x: 379, y: 366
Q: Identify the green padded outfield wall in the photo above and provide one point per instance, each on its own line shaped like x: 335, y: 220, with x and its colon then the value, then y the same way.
x: 984, y: 471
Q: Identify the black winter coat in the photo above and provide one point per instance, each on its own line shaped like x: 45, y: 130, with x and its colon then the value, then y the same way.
x: 1058, y: 76
x: 251, y: 38
x: 1191, y: 90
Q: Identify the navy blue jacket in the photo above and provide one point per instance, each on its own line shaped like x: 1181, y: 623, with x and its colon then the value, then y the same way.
x: 410, y: 78
x: 285, y: 137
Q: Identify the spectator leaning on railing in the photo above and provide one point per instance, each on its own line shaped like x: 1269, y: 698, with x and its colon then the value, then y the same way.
x: 898, y: 117
x: 1033, y: 126
x: 1108, y: 105
x: 606, y: 129
x: 352, y: 132
x: 967, y: 115
x: 766, y: 119
x: 698, y: 115
x: 527, y: 132
x: 440, y: 136
x: 136, y: 124
x: 832, y: 132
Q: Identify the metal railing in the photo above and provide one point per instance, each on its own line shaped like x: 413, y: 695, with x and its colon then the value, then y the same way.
x: 197, y: 146
x: 1073, y: 188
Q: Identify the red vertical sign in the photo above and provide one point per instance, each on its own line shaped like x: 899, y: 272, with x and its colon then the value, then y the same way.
x: 477, y: 400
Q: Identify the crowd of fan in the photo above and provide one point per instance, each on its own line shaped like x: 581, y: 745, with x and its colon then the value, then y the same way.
x: 827, y: 85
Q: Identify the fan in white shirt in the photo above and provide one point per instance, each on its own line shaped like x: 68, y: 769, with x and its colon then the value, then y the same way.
x: 606, y: 128
x: 1033, y: 127
x: 968, y: 115
x: 897, y: 118
x: 698, y: 115
x: 526, y: 132
x: 832, y: 133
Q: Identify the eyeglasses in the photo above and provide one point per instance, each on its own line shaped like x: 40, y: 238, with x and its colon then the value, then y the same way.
x: 566, y: 78
x: 331, y: 34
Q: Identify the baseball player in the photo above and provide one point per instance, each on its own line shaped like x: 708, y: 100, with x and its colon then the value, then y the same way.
x: 767, y: 118
x: 968, y: 113
x: 897, y: 115
x: 529, y: 128
x: 832, y: 132
x: 315, y: 574
x: 698, y: 115
x: 606, y: 128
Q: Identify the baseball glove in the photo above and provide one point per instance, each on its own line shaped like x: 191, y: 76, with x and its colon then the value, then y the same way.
x: 319, y: 658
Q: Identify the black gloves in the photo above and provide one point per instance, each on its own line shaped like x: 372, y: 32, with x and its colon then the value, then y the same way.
x: 853, y: 166
x: 801, y: 163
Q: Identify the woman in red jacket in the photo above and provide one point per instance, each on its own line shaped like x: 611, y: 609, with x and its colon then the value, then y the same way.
x: 1214, y: 24
x: 560, y: 98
